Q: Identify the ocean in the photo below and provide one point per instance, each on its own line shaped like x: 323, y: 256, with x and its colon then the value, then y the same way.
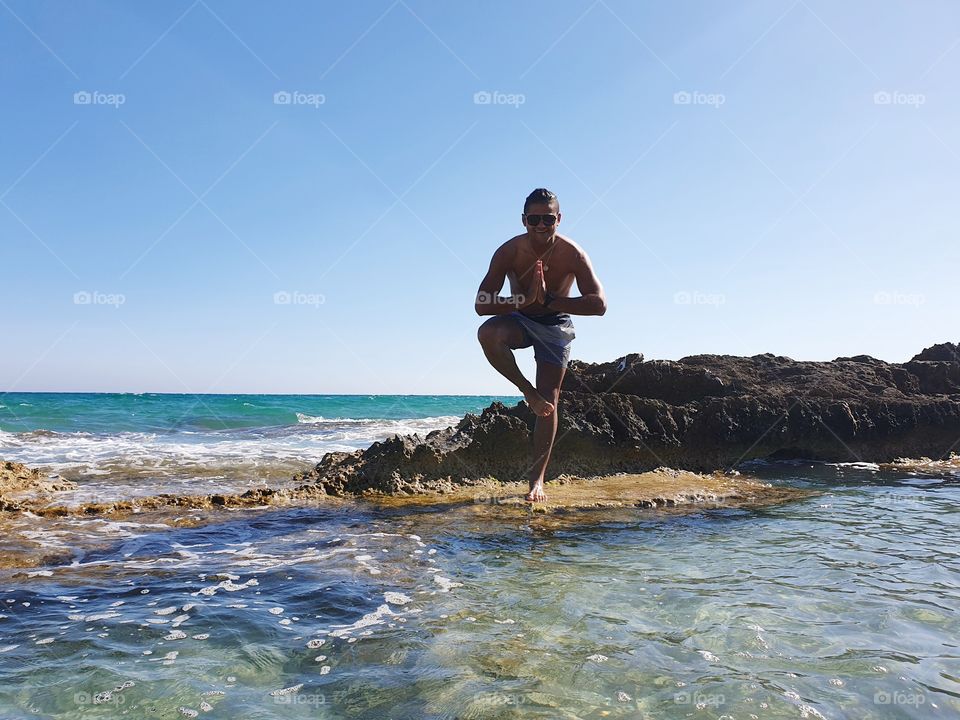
x: 843, y: 604
x: 121, y: 445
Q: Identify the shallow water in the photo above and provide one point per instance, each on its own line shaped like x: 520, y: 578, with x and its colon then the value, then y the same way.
x: 842, y: 605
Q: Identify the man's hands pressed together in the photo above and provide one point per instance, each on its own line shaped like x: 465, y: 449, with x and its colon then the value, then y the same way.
x: 536, y: 289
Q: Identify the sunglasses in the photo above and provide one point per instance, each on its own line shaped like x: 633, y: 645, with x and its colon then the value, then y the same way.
x: 534, y: 220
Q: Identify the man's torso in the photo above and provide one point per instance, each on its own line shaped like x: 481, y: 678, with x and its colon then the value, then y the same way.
x: 559, y: 268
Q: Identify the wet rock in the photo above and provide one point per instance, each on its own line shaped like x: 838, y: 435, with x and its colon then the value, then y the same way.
x: 17, y: 478
x: 660, y: 488
x: 700, y: 413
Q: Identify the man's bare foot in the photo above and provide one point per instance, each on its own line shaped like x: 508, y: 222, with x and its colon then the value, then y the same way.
x: 536, y: 493
x: 538, y: 404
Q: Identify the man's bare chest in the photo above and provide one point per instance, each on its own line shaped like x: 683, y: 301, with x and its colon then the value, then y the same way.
x: 556, y: 264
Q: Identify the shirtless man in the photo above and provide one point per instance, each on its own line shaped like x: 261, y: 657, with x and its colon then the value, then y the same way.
x: 541, y: 266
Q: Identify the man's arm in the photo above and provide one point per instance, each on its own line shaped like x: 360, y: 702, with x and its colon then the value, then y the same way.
x: 488, y: 300
x: 592, y: 300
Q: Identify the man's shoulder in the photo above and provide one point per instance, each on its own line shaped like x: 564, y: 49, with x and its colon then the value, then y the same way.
x: 511, y: 245
x: 568, y: 244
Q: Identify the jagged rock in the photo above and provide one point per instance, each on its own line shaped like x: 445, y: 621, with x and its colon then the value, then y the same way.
x: 17, y: 478
x: 700, y: 413
x: 945, y: 352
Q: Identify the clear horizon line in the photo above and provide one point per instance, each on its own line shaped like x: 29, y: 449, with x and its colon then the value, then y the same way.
x: 310, y: 394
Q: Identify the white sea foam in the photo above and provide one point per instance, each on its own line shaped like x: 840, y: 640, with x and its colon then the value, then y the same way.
x: 272, y: 451
x: 374, y: 618
x: 287, y: 690
x: 446, y: 584
x: 227, y: 585
x: 433, y: 422
x: 396, y: 598
x: 872, y: 467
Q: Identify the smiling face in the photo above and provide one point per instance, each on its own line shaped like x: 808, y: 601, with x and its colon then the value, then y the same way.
x: 541, y: 233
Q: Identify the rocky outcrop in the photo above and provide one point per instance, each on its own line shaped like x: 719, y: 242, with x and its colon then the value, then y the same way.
x: 700, y: 413
x: 17, y: 482
x: 943, y: 352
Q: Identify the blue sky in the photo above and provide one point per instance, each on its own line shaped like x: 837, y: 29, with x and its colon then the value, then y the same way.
x: 747, y: 177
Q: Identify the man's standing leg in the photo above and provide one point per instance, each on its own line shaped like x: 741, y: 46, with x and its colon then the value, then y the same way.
x: 549, y: 380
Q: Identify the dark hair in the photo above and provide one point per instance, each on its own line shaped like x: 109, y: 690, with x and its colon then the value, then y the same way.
x: 540, y: 195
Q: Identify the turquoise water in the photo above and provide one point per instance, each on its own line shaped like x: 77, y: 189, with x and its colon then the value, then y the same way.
x: 841, y: 605
x: 170, y: 413
x: 124, y: 444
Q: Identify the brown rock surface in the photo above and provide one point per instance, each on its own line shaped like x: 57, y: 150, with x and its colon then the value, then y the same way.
x: 700, y: 413
x: 19, y: 482
x: 660, y: 488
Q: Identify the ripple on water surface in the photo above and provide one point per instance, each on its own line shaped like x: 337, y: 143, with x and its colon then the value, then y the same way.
x: 841, y: 605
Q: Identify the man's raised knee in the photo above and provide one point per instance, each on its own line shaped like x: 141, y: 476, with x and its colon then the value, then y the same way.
x: 489, y: 334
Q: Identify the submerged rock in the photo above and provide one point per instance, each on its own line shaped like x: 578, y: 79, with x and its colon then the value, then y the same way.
x: 660, y: 488
x: 700, y: 413
x: 942, y: 467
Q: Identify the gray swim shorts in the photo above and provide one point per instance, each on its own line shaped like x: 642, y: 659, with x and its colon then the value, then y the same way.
x: 550, y: 336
